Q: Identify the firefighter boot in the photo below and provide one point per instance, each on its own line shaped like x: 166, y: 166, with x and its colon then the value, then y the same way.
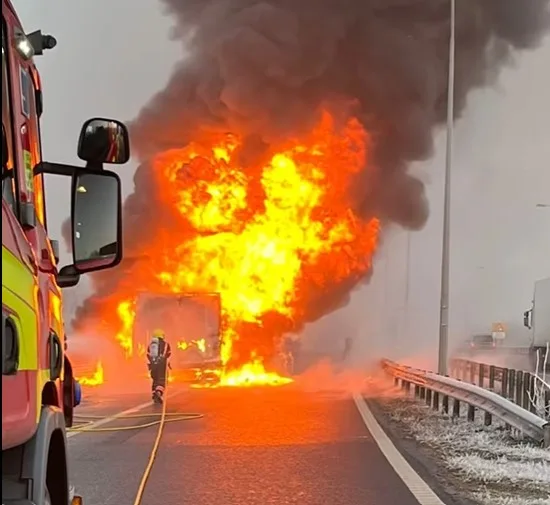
x: 157, y: 395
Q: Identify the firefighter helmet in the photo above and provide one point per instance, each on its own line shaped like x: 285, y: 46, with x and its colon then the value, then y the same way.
x: 158, y: 333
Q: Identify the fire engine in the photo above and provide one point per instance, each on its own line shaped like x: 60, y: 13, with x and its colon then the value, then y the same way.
x: 39, y: 391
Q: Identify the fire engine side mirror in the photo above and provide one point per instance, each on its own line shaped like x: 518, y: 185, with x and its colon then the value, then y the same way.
x: 96, y: 216
x: 103, y: 141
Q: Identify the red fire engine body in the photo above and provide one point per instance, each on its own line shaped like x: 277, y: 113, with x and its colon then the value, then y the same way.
x: 38, y: 388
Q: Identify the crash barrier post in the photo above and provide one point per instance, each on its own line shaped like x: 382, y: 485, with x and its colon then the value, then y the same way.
x: 526, y: 389
x: 429, y: 386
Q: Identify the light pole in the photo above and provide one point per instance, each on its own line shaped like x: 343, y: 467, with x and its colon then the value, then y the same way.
x: 386, y: 312
x: 444, y: 302
x: 405, y: 316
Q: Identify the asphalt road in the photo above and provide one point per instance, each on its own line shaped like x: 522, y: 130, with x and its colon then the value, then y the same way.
x: 277, y: 446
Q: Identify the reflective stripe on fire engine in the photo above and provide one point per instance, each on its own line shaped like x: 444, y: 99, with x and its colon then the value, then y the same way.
x: 43, y: 376
x: 29, y: 177
x: 56, y: 317
x: 19, y: 295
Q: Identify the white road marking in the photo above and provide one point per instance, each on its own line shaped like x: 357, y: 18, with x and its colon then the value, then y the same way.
x: 418, y: 487
x: 114, y: 417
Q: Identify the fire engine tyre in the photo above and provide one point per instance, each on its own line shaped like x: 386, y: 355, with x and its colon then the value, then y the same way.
x: 43, y: 464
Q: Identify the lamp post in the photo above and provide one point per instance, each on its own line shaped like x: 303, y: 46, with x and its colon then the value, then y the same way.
x: 405, y: 315
x: 386, y: 312
x: 444, y: 302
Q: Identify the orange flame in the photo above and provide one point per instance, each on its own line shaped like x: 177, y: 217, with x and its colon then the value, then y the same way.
x: 142, y: 351
x: 252, y: 374
x: 268, y: 238
x: 124, y: 336
x: 182, y: 345
x: 200, y: 344
x: 96, y: 379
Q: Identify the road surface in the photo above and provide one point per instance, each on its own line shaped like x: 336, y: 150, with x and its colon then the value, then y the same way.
x: 277, y: 446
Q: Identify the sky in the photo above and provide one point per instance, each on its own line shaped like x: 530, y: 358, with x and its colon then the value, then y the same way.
x: 106, y: 65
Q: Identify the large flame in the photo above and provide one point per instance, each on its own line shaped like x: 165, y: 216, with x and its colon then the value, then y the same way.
x: 267, y: 238
x: 96, y: 378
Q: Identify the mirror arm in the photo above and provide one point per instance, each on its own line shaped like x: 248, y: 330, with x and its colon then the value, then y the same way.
x: 94, y: 166
x: 45, y: 167
x: 6, y: 174
x: 55, y: 249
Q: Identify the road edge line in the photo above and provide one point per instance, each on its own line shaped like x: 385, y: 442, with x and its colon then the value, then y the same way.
x: 423, y: 493
x: 114, y: 417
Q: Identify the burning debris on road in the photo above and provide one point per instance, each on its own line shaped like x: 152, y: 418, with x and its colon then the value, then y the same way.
x: 280, y: 147
x: 93, y: 379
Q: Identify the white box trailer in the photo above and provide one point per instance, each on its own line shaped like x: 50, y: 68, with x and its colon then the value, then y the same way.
x: 538, y: 318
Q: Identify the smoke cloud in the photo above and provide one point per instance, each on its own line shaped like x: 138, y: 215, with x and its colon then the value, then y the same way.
x: 267, y: 68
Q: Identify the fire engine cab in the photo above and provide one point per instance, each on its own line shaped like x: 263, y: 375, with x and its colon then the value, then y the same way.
x: 38, y: 388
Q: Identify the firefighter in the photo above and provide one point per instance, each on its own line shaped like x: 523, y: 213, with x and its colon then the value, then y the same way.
x: 287, y: 353
x: 158, y: 355
x: 348, y: 343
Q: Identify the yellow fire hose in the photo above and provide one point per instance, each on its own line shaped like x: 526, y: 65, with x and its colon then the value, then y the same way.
x: 85, y: 423
x: 164, y: 418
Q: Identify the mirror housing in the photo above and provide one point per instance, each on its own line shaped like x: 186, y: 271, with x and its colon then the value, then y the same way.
x: 103, y: 141
x: 96, y: 217
x: 55, y: 249
x: 527, y: 318
x: 67, y: 277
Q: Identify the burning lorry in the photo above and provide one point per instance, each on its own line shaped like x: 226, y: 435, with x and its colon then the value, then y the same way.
x: 192, y: 324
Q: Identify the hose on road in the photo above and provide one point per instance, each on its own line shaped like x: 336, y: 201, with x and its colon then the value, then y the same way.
x: 88, y: 422
x: 85, y: 423
x: 145, y: 477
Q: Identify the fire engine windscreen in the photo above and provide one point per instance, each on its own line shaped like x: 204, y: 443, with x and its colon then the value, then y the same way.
x: 191, y: 324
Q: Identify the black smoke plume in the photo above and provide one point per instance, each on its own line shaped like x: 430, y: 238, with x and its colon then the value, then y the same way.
x: 265, y: 68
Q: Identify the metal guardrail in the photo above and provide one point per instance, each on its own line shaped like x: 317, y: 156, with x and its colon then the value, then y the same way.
x: 512, y: 350
x: 518, y: 386
x: 430, y: 387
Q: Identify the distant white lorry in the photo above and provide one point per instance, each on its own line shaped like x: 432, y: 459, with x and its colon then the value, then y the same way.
x: 537, y: 319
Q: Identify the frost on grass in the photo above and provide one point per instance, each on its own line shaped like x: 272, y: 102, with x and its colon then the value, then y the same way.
x: 483, y: 497
x: 494, y: 467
